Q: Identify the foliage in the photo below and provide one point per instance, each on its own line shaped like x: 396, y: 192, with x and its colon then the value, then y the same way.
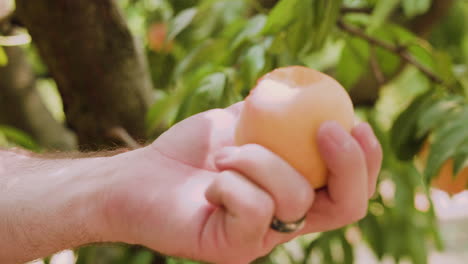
x: 3, y: 57
x: 13, y: 137
x: 216, y: 50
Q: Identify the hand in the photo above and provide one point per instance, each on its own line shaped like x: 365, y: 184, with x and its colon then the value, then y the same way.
x: 193, y: 194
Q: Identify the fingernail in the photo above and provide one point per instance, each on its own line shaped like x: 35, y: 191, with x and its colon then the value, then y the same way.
x: 336, y: 134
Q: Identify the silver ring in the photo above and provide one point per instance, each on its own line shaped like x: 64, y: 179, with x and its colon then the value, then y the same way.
x: 283, y: 227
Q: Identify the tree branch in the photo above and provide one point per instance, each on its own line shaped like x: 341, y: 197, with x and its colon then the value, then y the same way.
x: 379, y: 76
x: 400, y: 51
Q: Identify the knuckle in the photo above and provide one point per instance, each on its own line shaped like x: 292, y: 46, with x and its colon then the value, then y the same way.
x: 298, y: 203
x: 257, y: 154
x: 223, y: 183
x: 251, y: 155
x: 305, y: 196
x: 254, y: 203
x: 355, y: 213
x: 260, y: 208
x: 351, y: 149
x: 266, y: 207
x: 252, y: 149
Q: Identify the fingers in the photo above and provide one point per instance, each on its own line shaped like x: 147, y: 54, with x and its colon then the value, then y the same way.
x: 346, y: 163
x: 246, y: 209
x: 253, y: 177
x: 290, y: 194
x: 290, y: 191
x: 373, y: 152
x: 346, y: 197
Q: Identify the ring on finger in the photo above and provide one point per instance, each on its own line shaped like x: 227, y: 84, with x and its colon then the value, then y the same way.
x: 290, y: 227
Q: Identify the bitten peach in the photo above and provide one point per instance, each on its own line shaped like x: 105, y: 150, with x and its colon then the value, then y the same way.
x: 284, y: 112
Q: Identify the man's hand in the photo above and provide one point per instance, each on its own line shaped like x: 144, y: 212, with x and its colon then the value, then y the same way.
x: 194, y: 194
x: 191, y: 193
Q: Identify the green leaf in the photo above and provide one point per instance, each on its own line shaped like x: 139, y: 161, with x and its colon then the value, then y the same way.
x: 253, y: 64
x: 381, y: 12
x: 327, y: 253
x: 445, y: 141
x: 388, y: 62
x: 355, y: 56
x: 416, y: 7
x: 209, y: 54
x: 143, y: 257
x: 461, y: 73
x: 19, y: 138
x: 162, y: 110
x: 180, y: 22
x: 371, y: 230
x: 348, y: 253
x: 300, y: 34
x: 3, y: 140
x: 316, y: 23
x: 435, y: 114
x: 461, y: 158
x: 433, y: 229
x: 326, y: 13
x: 422, y: 55
x: 209, y: 94
x: 234, y: 83
x: 308, y: 250
x: 400, y: 35
x: 403, y: 137
x: 50, y: 95
x: 282, y: 15
x: 3, y: 57
x: 251, y: 29
x: 417, y: 246
x: 233, y: 29
x: 444, y: 67
x: 435, y: 62
x: 325, y: 58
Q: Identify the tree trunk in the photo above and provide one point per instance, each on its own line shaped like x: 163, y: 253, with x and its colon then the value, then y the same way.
x: 100, y: 70
x: 22, y: 107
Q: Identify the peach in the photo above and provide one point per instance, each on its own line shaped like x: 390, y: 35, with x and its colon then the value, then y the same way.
x: 284, y: 112
x: 157, y: 34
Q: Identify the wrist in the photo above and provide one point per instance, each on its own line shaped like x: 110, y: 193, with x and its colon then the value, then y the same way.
x: 48, y: 205
x: 122, y: 201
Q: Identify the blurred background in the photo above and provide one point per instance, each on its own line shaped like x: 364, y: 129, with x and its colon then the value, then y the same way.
x: 91, y: 75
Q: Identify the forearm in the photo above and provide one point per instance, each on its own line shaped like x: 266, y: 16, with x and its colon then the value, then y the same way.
x: 47, y: 205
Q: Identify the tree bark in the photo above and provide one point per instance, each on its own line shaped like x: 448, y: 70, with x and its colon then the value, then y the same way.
x: 21, y: 106
x: 100, y: 70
